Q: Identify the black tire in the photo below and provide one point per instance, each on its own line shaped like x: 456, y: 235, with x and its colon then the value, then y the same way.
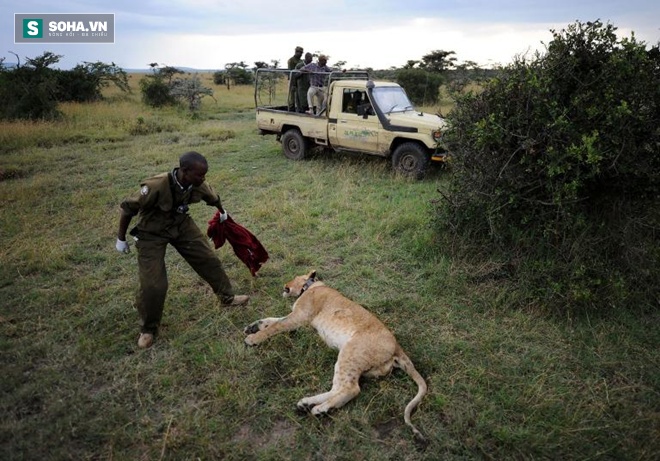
x: 294, y: 144
x: 410, y: 159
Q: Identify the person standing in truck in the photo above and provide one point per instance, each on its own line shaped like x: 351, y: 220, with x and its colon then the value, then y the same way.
x: 317, y: 83
x: 302, y: 84
x: 292, y: 64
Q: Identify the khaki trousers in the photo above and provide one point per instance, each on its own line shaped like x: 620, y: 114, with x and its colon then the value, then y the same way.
x: 189, y: 241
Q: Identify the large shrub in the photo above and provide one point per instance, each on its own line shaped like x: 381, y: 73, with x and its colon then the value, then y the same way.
x: 161, y: 88
x: 29, y: 91
x: 32, y: 91
x: 85, y: 82
x: 190, y: 92
x: 422, y: 86
x: 156, y: 91
x: 556, y: 170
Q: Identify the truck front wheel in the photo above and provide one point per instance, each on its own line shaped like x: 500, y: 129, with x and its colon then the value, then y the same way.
x: 410, y: 159
x: 294, y: 145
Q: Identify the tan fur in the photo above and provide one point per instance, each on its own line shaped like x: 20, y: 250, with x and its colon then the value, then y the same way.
x: 366, y: 347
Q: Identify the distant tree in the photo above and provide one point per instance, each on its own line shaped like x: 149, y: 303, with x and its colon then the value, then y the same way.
x: 438, y: 61
x: 44, y: 61
x: 238, y: 73
x: 168, y: 72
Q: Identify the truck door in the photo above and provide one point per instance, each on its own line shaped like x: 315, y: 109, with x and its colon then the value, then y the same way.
x: 353, y: 131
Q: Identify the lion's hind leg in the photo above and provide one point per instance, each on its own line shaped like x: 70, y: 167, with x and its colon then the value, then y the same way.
x: 308, y: 403
x: 345, y: 385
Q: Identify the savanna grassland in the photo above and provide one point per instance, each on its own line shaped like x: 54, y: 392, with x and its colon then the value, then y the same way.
x: 505, y: 382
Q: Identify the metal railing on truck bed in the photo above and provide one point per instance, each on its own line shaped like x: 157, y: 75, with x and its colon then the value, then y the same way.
x: 272, y: 86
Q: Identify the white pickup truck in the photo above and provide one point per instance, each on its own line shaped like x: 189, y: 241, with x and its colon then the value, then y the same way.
x: 361, y: 115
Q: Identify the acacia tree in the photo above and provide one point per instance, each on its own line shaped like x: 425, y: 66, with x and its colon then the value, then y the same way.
x: 438, y: 61
x: 556, y: 170
x: 238, y: 73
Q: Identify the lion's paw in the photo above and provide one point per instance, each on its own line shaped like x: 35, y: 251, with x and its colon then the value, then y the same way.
x: 252, y: 328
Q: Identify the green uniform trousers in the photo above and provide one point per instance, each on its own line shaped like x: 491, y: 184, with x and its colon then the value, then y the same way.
x: 189, y: 241
x: 302, y: 85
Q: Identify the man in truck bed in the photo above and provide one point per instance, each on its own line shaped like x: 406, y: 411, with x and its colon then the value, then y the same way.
x: 317, y: 83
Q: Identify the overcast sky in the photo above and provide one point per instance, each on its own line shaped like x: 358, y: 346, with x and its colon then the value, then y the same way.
x: 207, y: 34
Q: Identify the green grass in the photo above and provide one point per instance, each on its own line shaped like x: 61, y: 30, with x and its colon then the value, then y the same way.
x: 504, y: 382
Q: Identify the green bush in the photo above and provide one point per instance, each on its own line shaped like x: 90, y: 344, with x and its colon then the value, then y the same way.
x: 29, y: 91
x: 32, y: 91
x: 422, y: 87
x: 85, y: 82
x: 156, y: 92
x: 240, y: 76
x: 556, y: 170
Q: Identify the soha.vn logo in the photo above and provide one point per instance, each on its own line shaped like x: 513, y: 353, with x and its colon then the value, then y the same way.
x: 34, y: 28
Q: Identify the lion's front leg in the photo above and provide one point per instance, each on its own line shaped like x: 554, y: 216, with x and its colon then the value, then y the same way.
x: 254, y: 328
x: 260, y: 324
x: 263, y: 329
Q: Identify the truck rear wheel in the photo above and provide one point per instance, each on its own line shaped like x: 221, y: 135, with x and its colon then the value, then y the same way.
x: 294, y: 144
x: 410, y: 159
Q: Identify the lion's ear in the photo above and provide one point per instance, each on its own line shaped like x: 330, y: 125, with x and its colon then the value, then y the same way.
x: 312, y: 275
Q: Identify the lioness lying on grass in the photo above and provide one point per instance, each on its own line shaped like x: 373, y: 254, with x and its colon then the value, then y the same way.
x: 366, y: 346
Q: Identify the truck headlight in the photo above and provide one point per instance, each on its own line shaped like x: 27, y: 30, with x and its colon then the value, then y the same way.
x: 436, y: 135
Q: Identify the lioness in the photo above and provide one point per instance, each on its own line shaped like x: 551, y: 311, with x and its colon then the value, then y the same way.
x: 366, y: 346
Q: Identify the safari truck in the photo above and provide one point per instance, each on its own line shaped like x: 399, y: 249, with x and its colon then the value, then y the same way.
x: 359, y: 115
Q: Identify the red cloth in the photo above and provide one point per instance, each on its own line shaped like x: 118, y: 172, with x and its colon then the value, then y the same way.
x: 246, y: 246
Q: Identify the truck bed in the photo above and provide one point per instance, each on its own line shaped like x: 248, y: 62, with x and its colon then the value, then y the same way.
x: 276, y: 120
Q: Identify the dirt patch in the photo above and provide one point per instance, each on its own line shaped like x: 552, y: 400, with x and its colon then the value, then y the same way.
x: 12, y: 173
x: 282, y: 434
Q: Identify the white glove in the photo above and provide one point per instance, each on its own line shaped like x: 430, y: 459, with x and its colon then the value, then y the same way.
x: 122, y: 246
x: 223, y: 216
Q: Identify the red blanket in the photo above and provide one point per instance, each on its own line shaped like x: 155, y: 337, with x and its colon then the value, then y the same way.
x: 246, y: 246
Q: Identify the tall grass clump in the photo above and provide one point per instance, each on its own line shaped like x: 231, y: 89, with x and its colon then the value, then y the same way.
x: 557, y: 170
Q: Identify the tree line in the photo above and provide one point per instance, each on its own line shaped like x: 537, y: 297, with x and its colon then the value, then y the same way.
x: 33, y: 90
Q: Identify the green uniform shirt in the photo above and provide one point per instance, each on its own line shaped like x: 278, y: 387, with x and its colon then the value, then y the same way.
x: 158, y: 199
x: 292, y: 62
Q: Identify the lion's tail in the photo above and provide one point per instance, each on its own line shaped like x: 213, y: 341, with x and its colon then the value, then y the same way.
x: 403, y: 361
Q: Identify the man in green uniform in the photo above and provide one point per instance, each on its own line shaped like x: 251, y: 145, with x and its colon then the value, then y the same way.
x: 302, y: 84
x: 162, y: 208
x: 293, y: 89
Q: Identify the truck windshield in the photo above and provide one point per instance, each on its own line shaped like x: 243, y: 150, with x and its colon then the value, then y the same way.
x: 392, y: 99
